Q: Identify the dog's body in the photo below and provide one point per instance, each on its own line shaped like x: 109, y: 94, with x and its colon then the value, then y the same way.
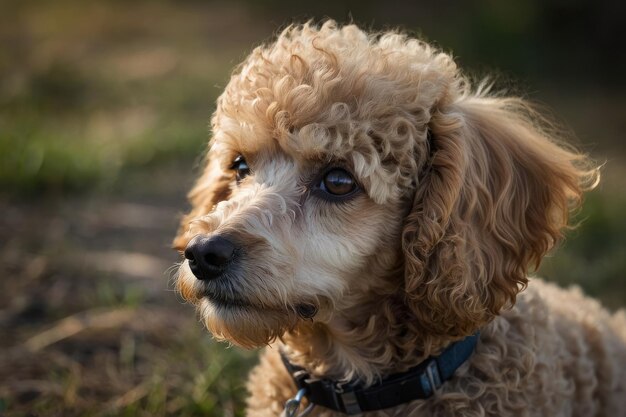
x: 555, y: 353
x: 366, y: 207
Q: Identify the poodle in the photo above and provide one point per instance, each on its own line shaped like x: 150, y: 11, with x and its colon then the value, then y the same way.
x: 370, y: 218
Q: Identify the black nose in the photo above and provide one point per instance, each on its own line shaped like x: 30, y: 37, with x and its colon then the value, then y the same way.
x: 208, y: 257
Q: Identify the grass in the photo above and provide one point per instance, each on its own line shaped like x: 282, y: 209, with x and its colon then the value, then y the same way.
x: 79, y: 104
x: 70, y: 141
x: 54, y: 158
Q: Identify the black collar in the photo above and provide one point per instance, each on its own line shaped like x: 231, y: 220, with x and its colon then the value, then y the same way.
x: 419, y: 382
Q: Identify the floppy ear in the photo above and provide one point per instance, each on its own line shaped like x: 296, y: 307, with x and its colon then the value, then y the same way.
x: 212, y: 187
x: 493, y: 201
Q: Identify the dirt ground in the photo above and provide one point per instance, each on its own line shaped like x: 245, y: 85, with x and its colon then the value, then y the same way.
x: 90, y: 323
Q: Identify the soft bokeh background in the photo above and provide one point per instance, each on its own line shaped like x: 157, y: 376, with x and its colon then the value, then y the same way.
x: 104, y: 110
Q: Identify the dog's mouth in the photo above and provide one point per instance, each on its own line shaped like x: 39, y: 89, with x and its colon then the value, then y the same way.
x: 224, y: 301
x: 229, y: 302
x: 304, y: 310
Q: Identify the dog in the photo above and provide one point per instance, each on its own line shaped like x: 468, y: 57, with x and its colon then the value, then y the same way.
x: 370, y: 217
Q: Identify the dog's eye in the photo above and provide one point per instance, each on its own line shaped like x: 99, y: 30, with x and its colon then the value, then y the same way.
x: 338, y: 182
x: 241, y: 168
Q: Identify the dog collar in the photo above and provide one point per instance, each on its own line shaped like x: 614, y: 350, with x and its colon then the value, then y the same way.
x: 419, y: 382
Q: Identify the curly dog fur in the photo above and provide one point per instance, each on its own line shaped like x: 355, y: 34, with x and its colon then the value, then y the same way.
x: 460, y: 193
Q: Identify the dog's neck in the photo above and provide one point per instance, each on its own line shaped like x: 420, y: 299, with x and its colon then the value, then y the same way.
x: 356, y: 344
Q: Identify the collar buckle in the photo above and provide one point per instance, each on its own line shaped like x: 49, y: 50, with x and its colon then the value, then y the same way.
x: 431, y: 379
x: 348, y: 398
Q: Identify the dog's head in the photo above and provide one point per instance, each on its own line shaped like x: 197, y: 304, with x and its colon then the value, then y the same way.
x: 345, y: 166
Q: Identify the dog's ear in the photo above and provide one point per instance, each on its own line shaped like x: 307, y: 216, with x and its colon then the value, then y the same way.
x: 212, y: 187
x: 493, y: 200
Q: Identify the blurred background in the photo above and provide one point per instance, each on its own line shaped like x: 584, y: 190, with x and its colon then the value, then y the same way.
x: 104, y: 110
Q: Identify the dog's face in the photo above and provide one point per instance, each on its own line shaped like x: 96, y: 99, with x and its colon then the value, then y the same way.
x: 343, y: 166
x: 301, y: 231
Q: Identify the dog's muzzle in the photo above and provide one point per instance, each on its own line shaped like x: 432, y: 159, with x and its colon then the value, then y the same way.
x: 209, y: 257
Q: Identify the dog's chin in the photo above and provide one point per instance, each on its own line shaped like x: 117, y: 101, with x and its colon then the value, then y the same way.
x: 244, y: 324
x: 236, y: 319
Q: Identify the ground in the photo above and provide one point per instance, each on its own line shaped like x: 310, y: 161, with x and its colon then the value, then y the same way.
x: 92, y: 325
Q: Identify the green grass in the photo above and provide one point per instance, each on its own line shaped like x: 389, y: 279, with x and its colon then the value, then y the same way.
x: 40, y: 156
x: 51, y: 140
x: 80, y: 104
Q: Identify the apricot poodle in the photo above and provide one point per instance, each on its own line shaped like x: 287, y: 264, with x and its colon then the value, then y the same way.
x: 370, y: 217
